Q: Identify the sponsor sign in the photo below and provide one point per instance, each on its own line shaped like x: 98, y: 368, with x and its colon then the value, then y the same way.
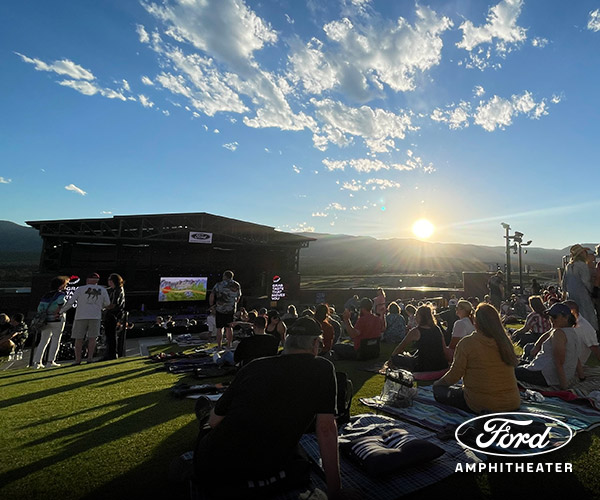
x: 277, y: 289
x: 198, y: 237
x: 513, y: 434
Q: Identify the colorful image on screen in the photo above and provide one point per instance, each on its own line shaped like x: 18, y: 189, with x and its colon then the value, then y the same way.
x: 182, y: 288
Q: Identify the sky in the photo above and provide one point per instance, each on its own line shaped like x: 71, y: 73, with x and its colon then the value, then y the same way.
x: 346, y: 116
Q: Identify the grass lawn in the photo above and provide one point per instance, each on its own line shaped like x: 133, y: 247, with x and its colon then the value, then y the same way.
x: 109, y: 430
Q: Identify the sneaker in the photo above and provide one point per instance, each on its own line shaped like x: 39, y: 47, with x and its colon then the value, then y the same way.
x: 38, y: 366
x: 52, y: 365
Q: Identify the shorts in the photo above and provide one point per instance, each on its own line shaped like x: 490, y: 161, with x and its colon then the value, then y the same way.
x: 223, y: 320
x: 83, y: 327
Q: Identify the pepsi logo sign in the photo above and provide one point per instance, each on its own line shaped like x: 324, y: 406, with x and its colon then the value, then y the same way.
x: 510, y: 434
x: 276, y: 279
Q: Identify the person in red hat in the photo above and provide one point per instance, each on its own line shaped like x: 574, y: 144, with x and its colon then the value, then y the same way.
x: 91, y: 298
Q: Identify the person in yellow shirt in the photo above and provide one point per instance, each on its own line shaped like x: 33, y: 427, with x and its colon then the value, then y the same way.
x: 486, y: 361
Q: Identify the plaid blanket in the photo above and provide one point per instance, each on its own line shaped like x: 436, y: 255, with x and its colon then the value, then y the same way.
x: 400, y: 483
x: 428, y: 413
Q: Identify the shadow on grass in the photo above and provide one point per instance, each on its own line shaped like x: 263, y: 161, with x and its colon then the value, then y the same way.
x: 132, y: 415
x: 30, y: 374
x: 110, y: 377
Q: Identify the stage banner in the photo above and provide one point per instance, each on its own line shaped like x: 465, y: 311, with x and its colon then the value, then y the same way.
x: 196, y: 237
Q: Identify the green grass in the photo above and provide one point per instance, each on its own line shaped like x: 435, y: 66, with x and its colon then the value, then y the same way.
x: 109, y: 430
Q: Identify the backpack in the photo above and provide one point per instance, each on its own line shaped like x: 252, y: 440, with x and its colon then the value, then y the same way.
x: 398, y: 388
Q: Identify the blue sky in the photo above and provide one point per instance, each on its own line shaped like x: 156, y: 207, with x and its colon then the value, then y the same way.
x: 348, y: 116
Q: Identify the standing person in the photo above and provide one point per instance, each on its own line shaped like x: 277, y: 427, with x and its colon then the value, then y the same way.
x: 535, y: 287
x: 91, y: 298
x: 577, y: 283
x: 258, y: 421
x: 225, y: 296
x: 113, y: 316
x: 496, y: 288
x: 322, y: 316
x: 52, y: 303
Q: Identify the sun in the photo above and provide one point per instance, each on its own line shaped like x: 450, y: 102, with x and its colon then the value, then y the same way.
x: 423, y: 229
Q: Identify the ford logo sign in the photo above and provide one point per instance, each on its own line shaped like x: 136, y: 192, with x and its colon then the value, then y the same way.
x: 510, y: 434
x: 200, y: 236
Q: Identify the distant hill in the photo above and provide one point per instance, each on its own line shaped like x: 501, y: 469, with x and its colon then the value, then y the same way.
x: 19, y: 244
x: 342, y: 254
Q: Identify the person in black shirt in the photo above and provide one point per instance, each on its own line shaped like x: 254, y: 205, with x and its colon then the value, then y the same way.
x: 257, y: 346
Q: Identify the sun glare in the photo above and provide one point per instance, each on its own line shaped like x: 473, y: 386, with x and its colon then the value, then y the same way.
x: 423, y: 229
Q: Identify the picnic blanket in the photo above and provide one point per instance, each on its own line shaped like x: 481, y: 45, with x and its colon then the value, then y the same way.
x: 400, y: 483
x: 428, y: 413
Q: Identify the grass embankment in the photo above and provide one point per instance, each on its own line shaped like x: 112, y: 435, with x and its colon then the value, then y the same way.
x: 109, y: 430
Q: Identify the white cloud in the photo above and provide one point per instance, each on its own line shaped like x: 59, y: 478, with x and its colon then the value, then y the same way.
x: 75, y: 189
x: 302, y: 227
x: 456, y: 116
x: 147, y: 103
x: 166, y: 112
x: 377, y: 127
x: 382, y: 184
x: 539, y: 42
x: 89, y: 88
x: 296, y: 169
x: 4, y: 180
x: 106, y: 212
x: 498, y: 112
x: 62, y: 67
x: 147, y: 81
x: 594, y: 20
x: 232, y: 146
x: 353, y: 185
x: 216, y: 131
x: 335, y: 206
x: 363, y: 165
x: 142, y: 33
x: 501, y: 27
x: 289, y: 19
x: 362, y: 58
x: 125, y: 85
x: 319, y: 214
x: 478, y: 91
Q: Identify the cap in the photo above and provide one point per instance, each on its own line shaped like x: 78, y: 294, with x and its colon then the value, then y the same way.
x: 305, y: 326
x: 95, y: 276
x: 559, y: 309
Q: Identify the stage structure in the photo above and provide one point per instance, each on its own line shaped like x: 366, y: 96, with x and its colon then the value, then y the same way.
x: 169, y: 252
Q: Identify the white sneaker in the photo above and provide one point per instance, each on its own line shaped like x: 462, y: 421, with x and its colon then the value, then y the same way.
x: 52, y: 365
x: 38, y: 366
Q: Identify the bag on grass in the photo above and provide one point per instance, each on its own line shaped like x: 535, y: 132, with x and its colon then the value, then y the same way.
x: 399, y: 388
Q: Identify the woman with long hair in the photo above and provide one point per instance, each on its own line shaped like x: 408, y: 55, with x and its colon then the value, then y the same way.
x: 395, y: 329
x: 536, y: 324
x: 556, y: 352
x: 429, y: 341
x: 486, y: 361
x: 379, y: 303
x: 275, y: 326
x: 577, y: 283
x: 52, y: 303
x: 114, y: 314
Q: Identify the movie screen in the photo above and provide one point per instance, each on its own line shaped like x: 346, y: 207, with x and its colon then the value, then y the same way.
x: 182, y: 289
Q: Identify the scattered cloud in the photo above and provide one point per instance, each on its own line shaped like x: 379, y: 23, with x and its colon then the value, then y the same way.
x: 594, y: 20
x: 456, y: 116
x: 62, y: 67
x: 301, y: 227
x: 4, y: 180
x: 335, y: 206
x: 232, y: 146
x: 478, y: 91
x: 289, y: 19
x: 125, y: 85
x: 382, y: 184
x: 319, y: 214
x: 353, y: 185
x: 147, y: 81
x: 142, y: 33
x: 75, y: 189
x: 90, y: 88
x: 147, y: 103
x: 106, y: 212
x: 296, y: 169
x: 501, y: 27
x: 166, y: 112
x: 216, y: 131
x: 539, y: 42
x: 361, y: 58
x: 498, y: 112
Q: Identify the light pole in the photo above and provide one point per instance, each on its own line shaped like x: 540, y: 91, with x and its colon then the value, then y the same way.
x: 518, y: 237
x: 508, y: 238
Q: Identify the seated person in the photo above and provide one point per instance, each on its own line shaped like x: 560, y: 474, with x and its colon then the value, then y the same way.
x: 6, y: 344
x: 449, y: 317
x: 464, y: 325
x: 18, y: 332
x: 368, y: 326
x: 259, y: 420
x: 556, y: 352
x: 429, y: 340
x: 275, y: 326
x: 395, y: 329
x: 258, y: 345
x: 587, y: 335
x: 486, y: 361
x: 536, y: 324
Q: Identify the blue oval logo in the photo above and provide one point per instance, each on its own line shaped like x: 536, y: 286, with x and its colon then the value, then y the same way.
x: 510, y: 434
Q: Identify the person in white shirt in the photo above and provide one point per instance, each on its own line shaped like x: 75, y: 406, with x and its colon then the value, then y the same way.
x: 464, y: 326
x: 91, y: 299
x: 587, y: 335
